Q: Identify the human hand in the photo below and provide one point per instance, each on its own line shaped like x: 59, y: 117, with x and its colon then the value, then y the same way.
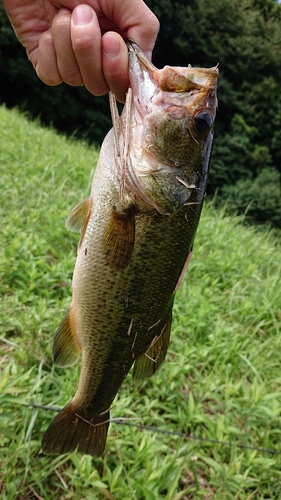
x: 83, y: 43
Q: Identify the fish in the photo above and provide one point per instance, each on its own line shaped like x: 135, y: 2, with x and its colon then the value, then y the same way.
x: 137, y: 233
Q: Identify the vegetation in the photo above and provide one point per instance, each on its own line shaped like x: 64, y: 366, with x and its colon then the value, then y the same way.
x: 244, y: 37
x: 221, y: 381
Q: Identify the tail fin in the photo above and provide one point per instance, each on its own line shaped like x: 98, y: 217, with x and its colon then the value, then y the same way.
x: 71, y: 430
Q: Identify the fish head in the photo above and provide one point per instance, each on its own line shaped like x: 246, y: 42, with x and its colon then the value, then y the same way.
x: 173, y: 111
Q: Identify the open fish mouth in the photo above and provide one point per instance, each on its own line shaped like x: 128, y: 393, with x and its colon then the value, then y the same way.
x: 177, y: 79
x: 173, y: 105
x: 171, y: 112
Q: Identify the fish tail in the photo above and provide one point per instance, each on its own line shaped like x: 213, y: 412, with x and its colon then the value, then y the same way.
x: 71, y: 430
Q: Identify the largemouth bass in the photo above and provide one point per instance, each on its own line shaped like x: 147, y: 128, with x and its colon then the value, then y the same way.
x: 137, y: 232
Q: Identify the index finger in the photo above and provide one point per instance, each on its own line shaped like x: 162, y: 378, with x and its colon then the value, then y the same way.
x: 134, y: 20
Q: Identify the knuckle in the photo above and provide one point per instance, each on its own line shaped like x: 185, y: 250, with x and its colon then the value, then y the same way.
x: 72, y: 78
x: 155, y: 23
x: 97, y: 89
x: 82, y: 43
x: 61, y: 23
x: 152, y: 24
x: 46, y: 40
x: 51, y: 78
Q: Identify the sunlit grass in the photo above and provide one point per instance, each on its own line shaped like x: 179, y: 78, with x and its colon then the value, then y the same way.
x: 222, y: 377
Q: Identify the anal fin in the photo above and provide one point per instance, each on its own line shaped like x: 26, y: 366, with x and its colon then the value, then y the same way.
x: 71, y: 430
x: 119, y: 237
x: 150, y: 361
x: 66, y: 348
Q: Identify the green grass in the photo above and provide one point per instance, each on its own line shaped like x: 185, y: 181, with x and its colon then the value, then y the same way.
x: 222, y: 377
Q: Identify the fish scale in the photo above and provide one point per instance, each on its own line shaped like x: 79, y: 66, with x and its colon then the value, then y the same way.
x: 137, y: 232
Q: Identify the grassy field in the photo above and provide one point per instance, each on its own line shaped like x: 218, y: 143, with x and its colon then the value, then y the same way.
x: 221, y: 382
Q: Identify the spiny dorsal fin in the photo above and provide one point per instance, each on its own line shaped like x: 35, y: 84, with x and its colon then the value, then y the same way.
x: 119, y: 237
x: 76, y: 219
x: 151, y: 360
x: 66, y: 348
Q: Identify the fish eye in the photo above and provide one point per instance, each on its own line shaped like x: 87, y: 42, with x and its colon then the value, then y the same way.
x: 203, y: 121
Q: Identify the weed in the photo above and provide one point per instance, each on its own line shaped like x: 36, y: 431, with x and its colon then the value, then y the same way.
x: 221, y: 379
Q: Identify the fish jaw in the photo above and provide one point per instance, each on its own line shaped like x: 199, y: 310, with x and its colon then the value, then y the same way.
x: 173, y: 112
x: 197, y: 85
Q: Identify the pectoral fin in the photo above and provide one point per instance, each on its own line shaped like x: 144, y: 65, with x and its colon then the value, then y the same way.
x: 78, y: 218
x: 66, y: 348
x: 119, y: 237
x: 151, y: 360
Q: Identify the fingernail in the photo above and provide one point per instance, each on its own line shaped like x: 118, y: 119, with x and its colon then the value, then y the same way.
x: 111, y: 46
x: 82, y: 15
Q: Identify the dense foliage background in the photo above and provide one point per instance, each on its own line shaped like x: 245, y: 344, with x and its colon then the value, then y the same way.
x: 244, y: 37
x: 220, y: 383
